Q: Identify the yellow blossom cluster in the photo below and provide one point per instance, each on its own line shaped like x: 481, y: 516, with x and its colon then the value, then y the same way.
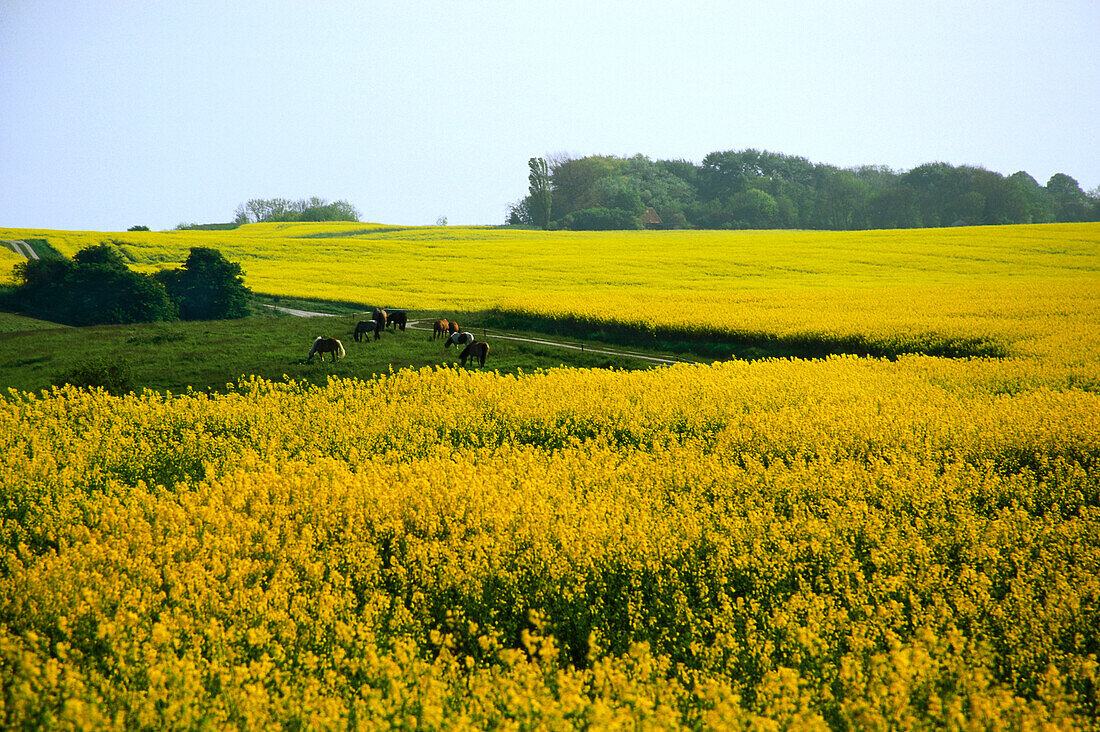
x: 832, y: 544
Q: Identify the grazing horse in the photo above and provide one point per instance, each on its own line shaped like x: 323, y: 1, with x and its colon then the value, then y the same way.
x: 477, y: 349
x: 379, y: 317
x: 363, y: 327
x: 459, y: 339
x: 441, y: 329
x: 397, y: 318
x: 454, y: 328
x: 326, y: 345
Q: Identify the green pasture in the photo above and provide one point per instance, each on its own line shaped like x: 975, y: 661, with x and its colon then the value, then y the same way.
x: 208, y: 355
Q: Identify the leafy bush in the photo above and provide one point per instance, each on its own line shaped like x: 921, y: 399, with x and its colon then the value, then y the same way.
x: 208, y: 287
x: 114, y: 376
x: 601, y: 219
x: 95, y: 287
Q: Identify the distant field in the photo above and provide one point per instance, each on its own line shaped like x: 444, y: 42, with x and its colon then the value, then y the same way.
x: 1014, y: 290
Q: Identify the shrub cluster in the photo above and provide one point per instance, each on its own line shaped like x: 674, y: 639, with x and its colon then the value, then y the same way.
x: 96, y: 287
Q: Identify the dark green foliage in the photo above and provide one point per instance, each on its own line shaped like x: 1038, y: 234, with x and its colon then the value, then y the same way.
x: 207, y: 287
x: 138, y: 228
x: 112, y: 374
x: 755, y: 189
x: 601, y: 219
x: 539, y: 196
x: 95, y: 287
x: 519, y: 213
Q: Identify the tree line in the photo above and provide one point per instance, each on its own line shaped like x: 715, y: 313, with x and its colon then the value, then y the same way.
x: 260, y: 210
x: 753, y: 189
x: 97, y: 287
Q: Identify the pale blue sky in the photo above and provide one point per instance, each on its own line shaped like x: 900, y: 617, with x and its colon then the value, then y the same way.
x: 121, y: 113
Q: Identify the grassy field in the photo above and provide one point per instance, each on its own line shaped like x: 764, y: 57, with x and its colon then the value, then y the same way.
x: 840, y: 542
x: 208, y: 356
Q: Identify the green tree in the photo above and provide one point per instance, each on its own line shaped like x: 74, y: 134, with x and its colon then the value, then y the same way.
x: 621, y: 193
x: 540, y: 196
x: 601, y: 219
x: 753, y: 209
x: 105, y: 255
x: 207, y: 287
x: 1040, y: 206
x: 844, y: 199
x: 95, y: 287
x: 573, y: 182
x: 1070, y: 201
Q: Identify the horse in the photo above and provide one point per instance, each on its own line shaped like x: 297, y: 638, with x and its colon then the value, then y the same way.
x: 477, y: 349
x: 326, y: 345
x: 441, y: 329
x: 379, y: 317
x: 454, y: 328
x: 363, y: 327
x: 459, y: 339
x: 397, y: 318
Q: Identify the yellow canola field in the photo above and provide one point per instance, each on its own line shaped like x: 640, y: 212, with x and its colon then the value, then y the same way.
x: 845, y: 543
x: 840, y: 543
x: 1016, y: 290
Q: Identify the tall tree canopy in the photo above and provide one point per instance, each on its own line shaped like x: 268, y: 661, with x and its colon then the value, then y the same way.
x: 761, y: 189
x: 207, y: 287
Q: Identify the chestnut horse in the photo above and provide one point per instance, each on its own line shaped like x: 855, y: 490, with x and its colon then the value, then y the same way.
x: 326, y: 345
x: 477, y: 349
x: 441, y: 329
x: 454, y: 328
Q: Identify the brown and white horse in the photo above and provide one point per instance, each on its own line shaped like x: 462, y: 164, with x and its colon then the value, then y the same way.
x: 326, y: 345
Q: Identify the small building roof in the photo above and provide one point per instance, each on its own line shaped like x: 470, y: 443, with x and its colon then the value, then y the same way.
x: 650, y: 216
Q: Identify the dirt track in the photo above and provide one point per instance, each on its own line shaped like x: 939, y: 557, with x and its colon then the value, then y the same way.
x: 23, y: 248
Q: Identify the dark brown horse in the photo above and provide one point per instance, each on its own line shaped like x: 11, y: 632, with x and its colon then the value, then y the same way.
x: 326, y: 345
x: 379, y: 317
x: 477, y: 349
x: 441, y: 329
x: 397, y: 318
x: 363, y: 327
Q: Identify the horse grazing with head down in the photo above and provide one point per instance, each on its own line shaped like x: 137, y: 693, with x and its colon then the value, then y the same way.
x: 379, y: 318
x: 326, y: 345
x: 477, y: 349
x: 397, y: 318
x: 454, y: 328
x: 441, y: 329
x: 363, y: 327
x: 459, y: 339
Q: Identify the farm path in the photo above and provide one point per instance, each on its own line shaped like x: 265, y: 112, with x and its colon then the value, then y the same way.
x: 415, y: 325
x: 23, y: 248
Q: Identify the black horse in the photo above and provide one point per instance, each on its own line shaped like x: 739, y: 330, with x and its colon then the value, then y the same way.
x: 379, y: 318
x: 363, y: 327
x: 397, y: 318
